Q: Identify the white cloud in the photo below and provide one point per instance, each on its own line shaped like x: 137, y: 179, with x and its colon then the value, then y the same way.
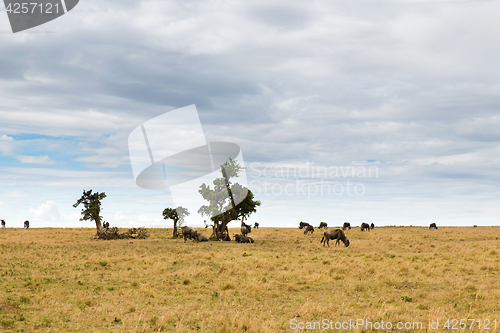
x: 46, y: 212
x: 6, y: 138
x: 41, y: 160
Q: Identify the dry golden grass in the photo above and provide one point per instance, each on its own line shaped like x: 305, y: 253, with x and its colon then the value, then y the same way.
x: 62, y: 280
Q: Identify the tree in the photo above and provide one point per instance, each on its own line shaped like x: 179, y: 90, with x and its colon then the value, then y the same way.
x: 177, y: 215
x: 92, y: 207
x: 222, y: 198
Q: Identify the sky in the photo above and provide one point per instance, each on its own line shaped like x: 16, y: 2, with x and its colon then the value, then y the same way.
x: 383, y: 111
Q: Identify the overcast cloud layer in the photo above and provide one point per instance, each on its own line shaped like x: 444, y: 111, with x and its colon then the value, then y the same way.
x: 384, y: 112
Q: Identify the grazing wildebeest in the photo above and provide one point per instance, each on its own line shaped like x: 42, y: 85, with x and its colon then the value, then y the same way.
x: 303, y: 225
x: 433, y: 225
x: 334, y: 234
x: 245, y: 229
x: 3, y: 224
x: 256, y: 225
x: 365, y: 226
x: 202, y: 238
x: 191, y: 233
x: 323, y: 225
x: 26, y: 224
x: 309, y: 229
x: 372, y: 226
x: 346, y: 225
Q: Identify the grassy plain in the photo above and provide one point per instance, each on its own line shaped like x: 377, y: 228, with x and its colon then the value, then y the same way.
x: 62, y: 280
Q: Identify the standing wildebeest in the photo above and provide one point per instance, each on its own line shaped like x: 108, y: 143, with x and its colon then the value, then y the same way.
x: 256, y: 225
x: 334, y: 234
x: 3, y: 224
x: 245, y: 229
x: 26, y: 224
x: 346, y: 226
x: 309, y: 229
x: 323, y: 225
x: 433, y: 225
x: 365, y: 226
x: 191, y: 233
x: 303, y: 225
x: 372, y: 226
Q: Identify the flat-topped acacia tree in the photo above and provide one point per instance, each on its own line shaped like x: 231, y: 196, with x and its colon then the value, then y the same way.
x: 91, y: 210
x: 177, y: 215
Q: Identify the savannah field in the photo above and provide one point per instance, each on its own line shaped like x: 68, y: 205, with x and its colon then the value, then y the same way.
x: 63, y: 280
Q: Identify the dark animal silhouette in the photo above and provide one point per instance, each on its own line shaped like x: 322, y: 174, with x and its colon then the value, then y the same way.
x: 309, y: 229
x: 26, y: 224
x: 242, y: 239
x: 223, y: 237
x: 303, y: 225
x: 105, y: 225
x: 334, y: 234
x: 3, y: 223
x: 245, y: 229
x: 202, y: 238
x: 372, y: 226
x: 256, y: 225
x: 346, y: 225
x: 365, y: 226
x: 323, y: 225
x: 433, y: 225
x: 191, y: 233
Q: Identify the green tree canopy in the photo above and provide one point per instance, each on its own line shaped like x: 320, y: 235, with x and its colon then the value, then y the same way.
x: 91, y: 210
x: 177, y: 215
x: 223, y: 196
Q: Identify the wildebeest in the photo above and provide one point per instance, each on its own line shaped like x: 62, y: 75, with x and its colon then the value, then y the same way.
x: 256, y: 225
x: 3, y: 223
x: 433, y: 225
x: 303, y: 225
x: 191, y: 233
x: 202, y: 238
x: 105, y: 225
x: 372, y: 226
x: 245, y: 229
x: 242, y: 239
x: 365, y: 226
x: 223, y: 237
x: 334, y: 234
x: 346, y: 225
x: 309, y: 229
x: 323, y: 225
x: 26, y: 224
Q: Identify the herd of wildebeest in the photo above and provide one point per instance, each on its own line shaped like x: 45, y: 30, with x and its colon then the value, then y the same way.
x: 337, y: 235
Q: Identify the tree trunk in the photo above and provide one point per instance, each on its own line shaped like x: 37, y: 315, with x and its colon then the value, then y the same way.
x: 98, y: 226
x: 175, y: 229
x: 214, y: 231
